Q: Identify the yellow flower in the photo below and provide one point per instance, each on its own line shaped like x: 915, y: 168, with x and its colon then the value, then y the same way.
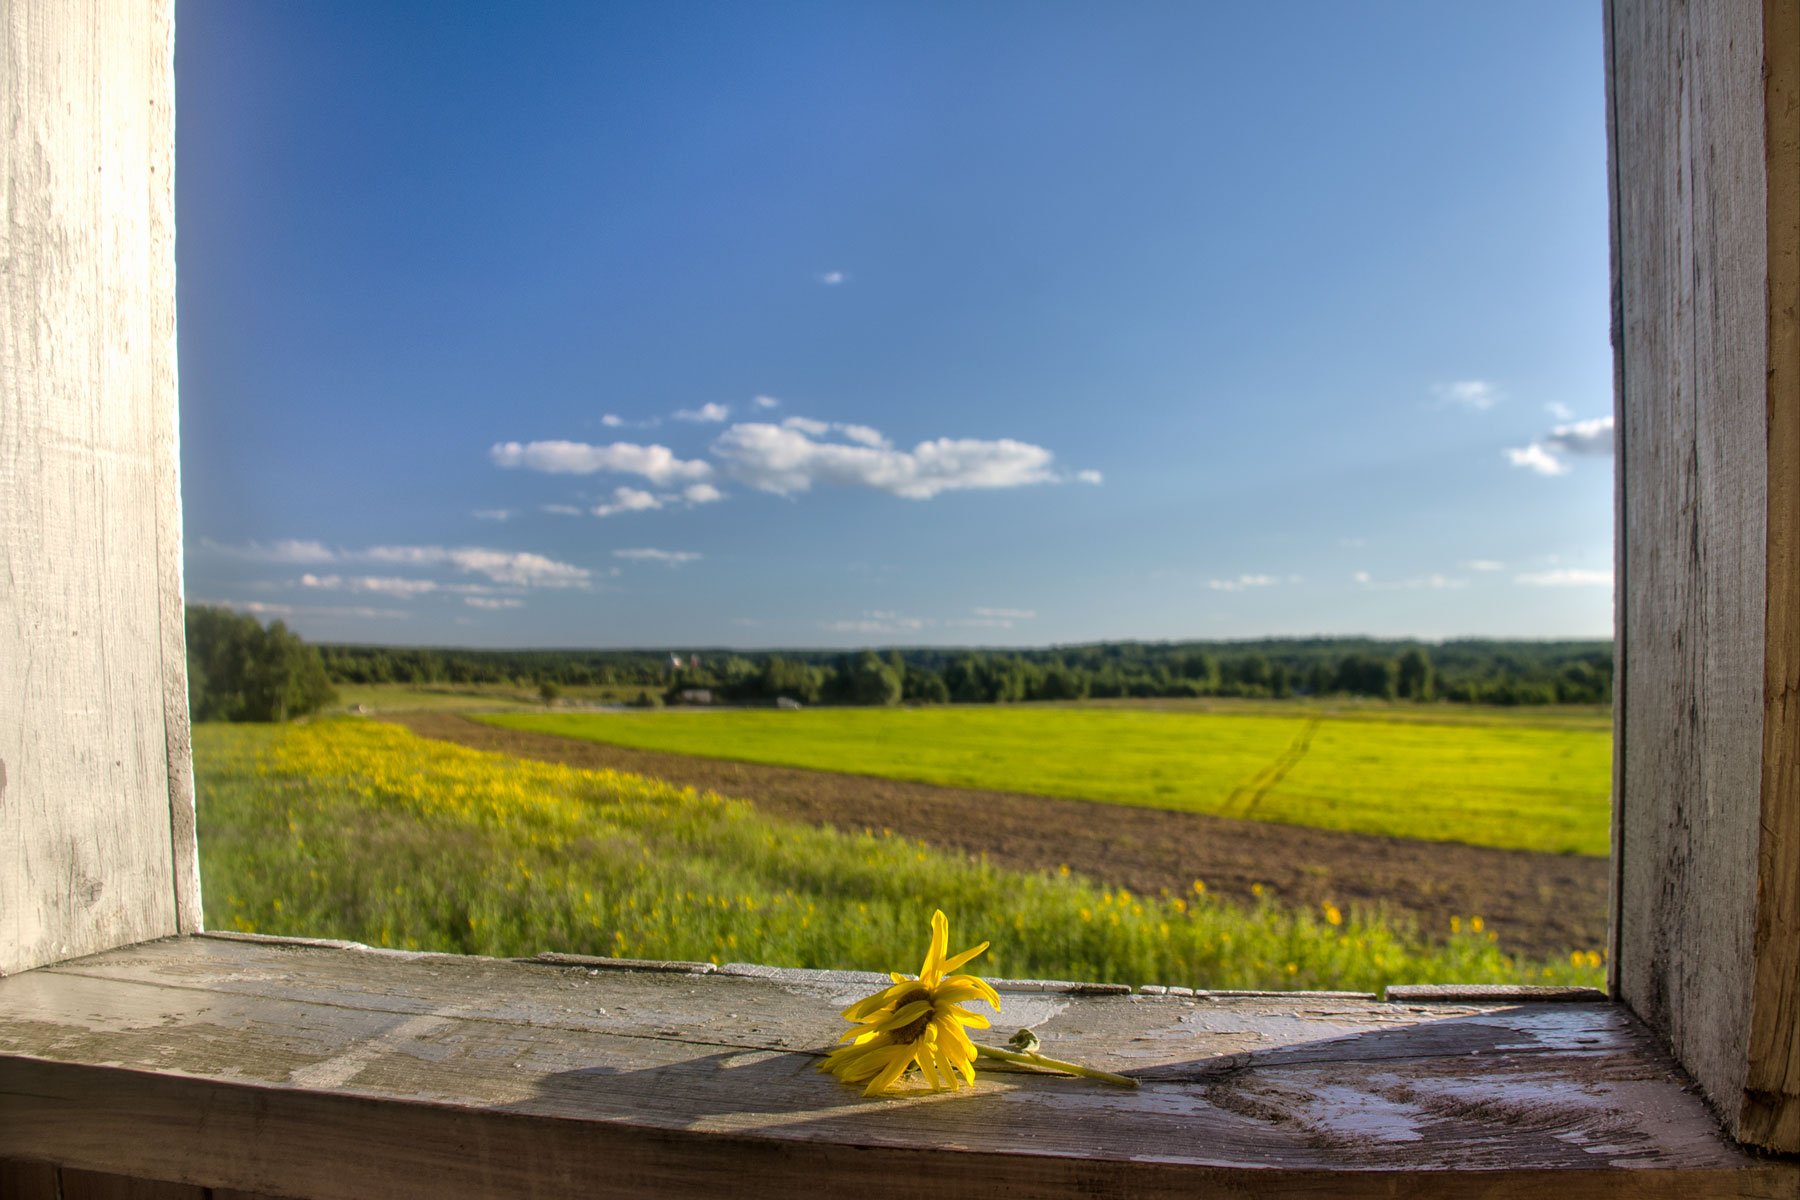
x: 916, y: 1021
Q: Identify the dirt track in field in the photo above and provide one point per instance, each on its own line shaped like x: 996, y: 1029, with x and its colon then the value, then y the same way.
x: 1542, y: 905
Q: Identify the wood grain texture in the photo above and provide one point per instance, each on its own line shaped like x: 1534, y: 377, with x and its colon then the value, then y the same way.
x: 92, y: 705
x: 27, y: 1180
x: 1692, y: 227
x: 100, y: 1185
x: 1621, y: 491
x: 1772, y: 1105
x: 178, y: 747
x: 322, y: 1072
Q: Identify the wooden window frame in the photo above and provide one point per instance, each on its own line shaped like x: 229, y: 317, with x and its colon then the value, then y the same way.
x: 96, y: 793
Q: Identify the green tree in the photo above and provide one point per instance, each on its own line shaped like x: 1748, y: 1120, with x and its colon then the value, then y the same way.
x: 1414, y: 679
x: 925, y: 687
x: 240, y: 671
x: 1366, y: 675
x: 783, y: 677
x: 872, y: 681
x: 1060, y: 683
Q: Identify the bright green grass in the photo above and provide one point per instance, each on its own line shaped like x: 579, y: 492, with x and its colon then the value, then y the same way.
x: 353, y: 829
x: 1504, y: 785
x: 1594, y: 718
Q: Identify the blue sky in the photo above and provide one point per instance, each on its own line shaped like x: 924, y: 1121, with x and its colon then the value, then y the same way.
x: 832, y: 324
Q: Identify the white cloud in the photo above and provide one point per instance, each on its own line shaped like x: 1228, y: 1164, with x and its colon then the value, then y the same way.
x: 254, y: 607
x: 1566, y: 577
x: 626, y: 499
x: 1484, y: 564
x: 492, y: 602
x: 863, y: 435
x: 1477, y: 395
x: 258, y: 608
x: 673, y: 558
x: 1559, y: 410
x: 655, y: 463
x: 766, y: 402
x: 1006, y: 614
x: 1241, y: 583
x: 832, y: 278
x: 706, y: 413
x: 1591, y: 437
x: 1090, y: 476
x: 782, y: 460
x: 1432, y: 582
x: 1549, y: 455
x: 563, y: 510
x: 296, y: 551
x: 612, y: 420
x: 1535, y: 458
x: 384, y: 585
x: 495, y: 514
x: 501, y: 566
x: 879, y: 621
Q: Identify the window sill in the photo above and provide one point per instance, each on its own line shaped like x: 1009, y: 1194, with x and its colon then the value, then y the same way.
x: 318, y: 1069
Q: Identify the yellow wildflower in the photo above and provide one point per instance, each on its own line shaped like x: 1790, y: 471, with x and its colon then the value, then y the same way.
x: 916, y: 1022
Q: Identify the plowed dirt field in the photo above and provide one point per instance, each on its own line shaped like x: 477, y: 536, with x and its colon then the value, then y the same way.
x: 1540, y: 904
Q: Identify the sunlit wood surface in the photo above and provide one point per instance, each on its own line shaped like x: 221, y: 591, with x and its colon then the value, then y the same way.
x: 320, y: 1070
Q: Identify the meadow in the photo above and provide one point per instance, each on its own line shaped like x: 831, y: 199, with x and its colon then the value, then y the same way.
x: 354, y: 829
x: 1535, y: 782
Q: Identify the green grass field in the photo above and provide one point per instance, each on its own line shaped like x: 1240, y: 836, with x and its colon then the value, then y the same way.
x: 1489, y: 782
x: 354, y: 829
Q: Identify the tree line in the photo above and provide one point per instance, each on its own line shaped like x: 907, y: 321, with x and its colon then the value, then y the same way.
x: 1470, y: 671
x: 240, y: 670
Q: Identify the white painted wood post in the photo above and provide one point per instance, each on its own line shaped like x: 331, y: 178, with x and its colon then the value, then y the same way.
x: 96, y: 799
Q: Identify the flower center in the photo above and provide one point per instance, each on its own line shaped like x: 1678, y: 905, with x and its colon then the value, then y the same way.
x: 910, y: 1033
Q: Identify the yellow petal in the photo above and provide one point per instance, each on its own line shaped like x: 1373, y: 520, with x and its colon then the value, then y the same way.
x: 889, y: 1075
x: 901, y: 1018
x: 934, y: 954
x: 962, y: 958
x: 880, y: 1000
x: 928, y: 1065
x: 972, y: 1020
x: 980, y: 985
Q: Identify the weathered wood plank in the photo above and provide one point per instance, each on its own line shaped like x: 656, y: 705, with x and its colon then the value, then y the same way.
x: 1707, y: 834
x: 1772, y: 1089
x: 90, y: 621
x: 27, y: 1180
x: 267, y: 1068
x: 100, y: 1185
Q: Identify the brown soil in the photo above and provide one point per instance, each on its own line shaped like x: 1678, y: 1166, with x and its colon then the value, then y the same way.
x: 1542, y: 905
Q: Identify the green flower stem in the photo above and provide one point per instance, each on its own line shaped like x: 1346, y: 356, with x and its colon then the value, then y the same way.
x: 1054, y: 1064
